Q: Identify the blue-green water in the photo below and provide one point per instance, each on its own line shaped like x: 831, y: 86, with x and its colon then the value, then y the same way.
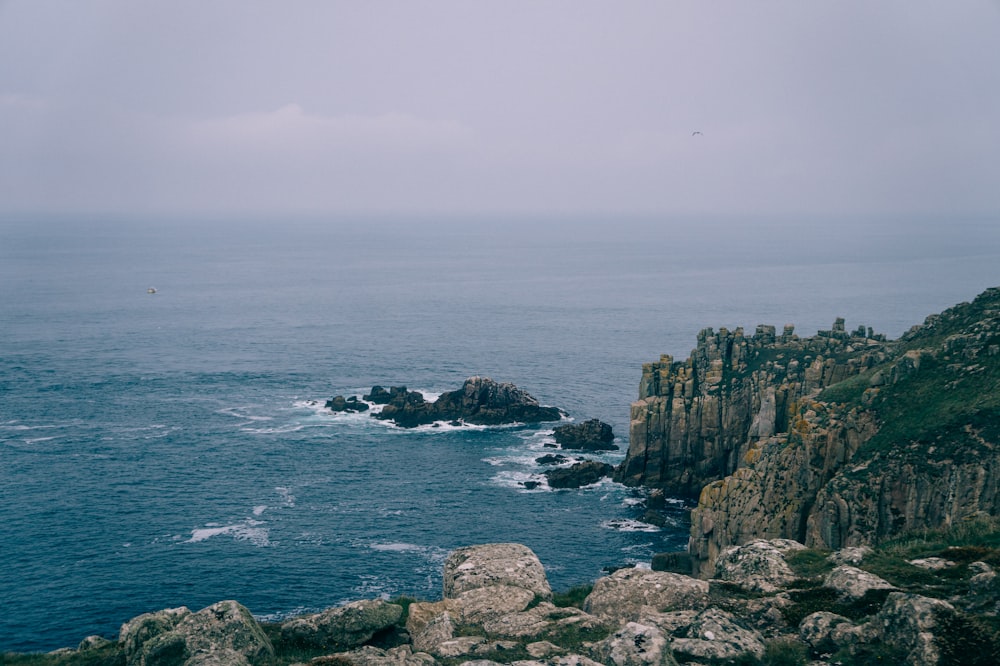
x: 163, y: 449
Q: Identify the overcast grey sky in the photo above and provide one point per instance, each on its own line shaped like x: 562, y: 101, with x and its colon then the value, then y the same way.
x: 832, y: 107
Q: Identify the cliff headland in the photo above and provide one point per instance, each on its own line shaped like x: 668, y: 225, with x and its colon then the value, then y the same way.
x: 837, y: 440
x: 848, y: 491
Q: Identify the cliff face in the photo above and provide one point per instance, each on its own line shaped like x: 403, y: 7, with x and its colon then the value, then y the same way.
x: 702, y: 419
x: 836, y: 440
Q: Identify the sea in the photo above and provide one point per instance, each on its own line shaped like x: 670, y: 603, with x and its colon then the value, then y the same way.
x: 163, y: 436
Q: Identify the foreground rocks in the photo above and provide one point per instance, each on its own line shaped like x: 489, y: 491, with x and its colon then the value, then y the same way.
x: 497, y: 607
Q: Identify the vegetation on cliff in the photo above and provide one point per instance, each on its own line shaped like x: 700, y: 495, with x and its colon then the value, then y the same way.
x: 841, y: 439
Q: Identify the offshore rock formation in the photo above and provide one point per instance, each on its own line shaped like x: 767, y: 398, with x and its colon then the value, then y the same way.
x: 591, y: 435
x: 837, y: 440
x: 480, y: 401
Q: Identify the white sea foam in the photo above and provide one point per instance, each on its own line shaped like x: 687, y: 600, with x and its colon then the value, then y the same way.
x: 239, y: 413
x: 287, y: 498
x: 398, y: 547
x: 625, y: 525
x: 17, y: 427
x: 249, y: 530
x: 514, y: 479
x: 259, y: 509
x: 279, y: 430
x: 35, y: 440
x: 633, y: 501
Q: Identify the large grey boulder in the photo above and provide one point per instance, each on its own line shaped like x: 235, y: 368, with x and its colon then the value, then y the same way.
x: 427, y: 634
x: 223, y: 633
x: 907, y: 622
x: 225, y: 625
x: 716, y: 634
x: 343, y: 627
x: 621, y: 596
x: 828, y: 632
x: 498, y: 564
x: 853, y: 583
x: 758, y: 566
x: 372, y: 656
x: 984, y: 589
x: 218, y: 657
x: 485, y: 604
x: 141, y: 629
x: 539, y: 622
x: 635, y: 645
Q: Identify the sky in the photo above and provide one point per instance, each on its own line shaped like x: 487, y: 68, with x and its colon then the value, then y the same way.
x: 563, y: 107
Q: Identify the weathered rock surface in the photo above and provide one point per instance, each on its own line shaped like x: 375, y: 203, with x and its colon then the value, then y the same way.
x: 696, y: 421
x: 824, y: 631
x: 344, y: 627
x: 827, y: 440
x: 758, y: 566
x: 853, y: 583
x: 578, y: 475
x: 716, y: 634
x: 622, y: 596
x: 341, y: 404
x: 500, y: 564
x: 211, y: 636
x: 140, y: 630
x: 907, y: 622
x: 635, y: 645
x: 591, y: 435
x: 480, y: 401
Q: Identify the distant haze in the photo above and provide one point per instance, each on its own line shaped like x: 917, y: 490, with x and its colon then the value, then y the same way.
x: 839, y: 107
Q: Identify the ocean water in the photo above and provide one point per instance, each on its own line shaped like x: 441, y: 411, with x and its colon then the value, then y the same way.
x: 169, y: 449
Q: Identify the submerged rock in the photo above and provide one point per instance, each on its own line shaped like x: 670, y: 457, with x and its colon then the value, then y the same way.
x: 758, y: 566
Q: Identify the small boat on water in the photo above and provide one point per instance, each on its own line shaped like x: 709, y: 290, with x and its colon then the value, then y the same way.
x: 151, y: 290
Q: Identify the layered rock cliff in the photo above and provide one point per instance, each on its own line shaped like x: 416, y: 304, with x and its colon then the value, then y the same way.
x: 836, y: 440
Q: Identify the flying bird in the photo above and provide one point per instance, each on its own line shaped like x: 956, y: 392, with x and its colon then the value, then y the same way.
x: 697, y: 134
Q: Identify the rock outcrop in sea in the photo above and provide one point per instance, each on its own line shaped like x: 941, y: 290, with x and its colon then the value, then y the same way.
x: 591, y: 435
x: 841, y: 439
x: 480, y: 401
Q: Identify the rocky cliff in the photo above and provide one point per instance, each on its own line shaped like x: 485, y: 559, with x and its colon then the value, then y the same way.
x: 836, y: 440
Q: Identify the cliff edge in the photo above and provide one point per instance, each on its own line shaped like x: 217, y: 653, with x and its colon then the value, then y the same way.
x: 840, y: 439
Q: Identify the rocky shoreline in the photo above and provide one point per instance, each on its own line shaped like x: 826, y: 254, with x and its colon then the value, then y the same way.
x: 768, y: 602
x: 848, y: 491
